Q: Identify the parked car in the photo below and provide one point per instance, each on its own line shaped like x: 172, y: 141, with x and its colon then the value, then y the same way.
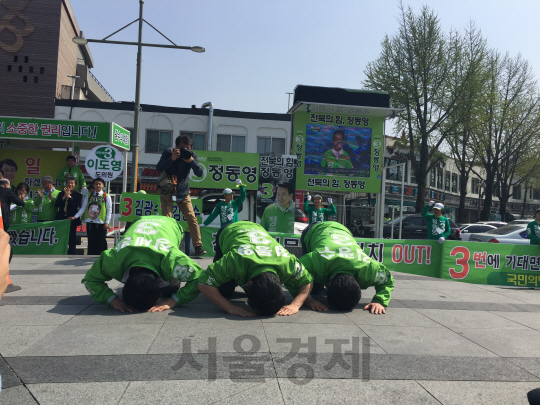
x: 516, y: 234
x: 299, y: 216
x: 413, y: 227
x: 468, y: 229
x: 524, y: 221
x: 496, y: 224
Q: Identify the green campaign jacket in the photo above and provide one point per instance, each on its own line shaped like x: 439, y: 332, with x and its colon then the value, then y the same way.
x: 275, y: 219
x: 75, y: 172
x: 318, y: 215
x: 332, y: 250
x: 248, y: 251
x: 330, y: 160
x: 46, y: 207
x: 151, y: 242
x: 437, y: 227
x: 533, y: 232
x: 23, y: 215
x: 228, y: 213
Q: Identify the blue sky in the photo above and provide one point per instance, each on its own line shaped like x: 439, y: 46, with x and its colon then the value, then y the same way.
x: 257, y: 51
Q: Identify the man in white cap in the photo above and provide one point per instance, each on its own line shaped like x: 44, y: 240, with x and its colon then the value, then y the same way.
x: 437, y: 225
x: 228, y: 209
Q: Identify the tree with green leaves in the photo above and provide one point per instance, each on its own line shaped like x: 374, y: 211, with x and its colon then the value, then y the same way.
x: 469, y: 117
x: 511, y: 128
x: 422, y: 70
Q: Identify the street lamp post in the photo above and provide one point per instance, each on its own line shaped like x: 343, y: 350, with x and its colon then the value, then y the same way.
x: 81, y: 40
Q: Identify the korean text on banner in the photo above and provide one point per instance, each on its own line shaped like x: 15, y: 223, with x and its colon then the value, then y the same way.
x: 43, y: 238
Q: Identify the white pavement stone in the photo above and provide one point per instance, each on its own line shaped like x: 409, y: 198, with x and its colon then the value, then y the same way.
x: 200, y: 392
x: 16, y: 338
x: 424, y: 341
x: 505, y: 342
x: 102, y: 393
x: 95, y: 340
x: 346, y: 392
x: 479, y: 392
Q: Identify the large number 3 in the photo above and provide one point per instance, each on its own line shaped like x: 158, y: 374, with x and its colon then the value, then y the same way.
x: 128, y: 209
x: 460, y: 261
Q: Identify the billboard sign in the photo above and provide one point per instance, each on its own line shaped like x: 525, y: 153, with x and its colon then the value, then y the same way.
x: 338, y: 151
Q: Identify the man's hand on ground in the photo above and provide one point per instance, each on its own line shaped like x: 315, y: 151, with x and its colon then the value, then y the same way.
x: 315, y: 305
x: 239, y: 311
x: 121, y: 306
x: 375, y: 308
x: 164, y: 305
x: 288, y: 310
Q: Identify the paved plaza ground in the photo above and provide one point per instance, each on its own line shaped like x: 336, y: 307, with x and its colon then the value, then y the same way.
x: 441, y: 342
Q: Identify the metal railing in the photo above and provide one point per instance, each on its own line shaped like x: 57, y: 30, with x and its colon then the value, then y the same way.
x: 100, y: 85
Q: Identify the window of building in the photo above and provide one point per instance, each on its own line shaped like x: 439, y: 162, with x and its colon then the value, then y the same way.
x: 394, y: 173
x: 158, y: 141
x: 26, y: 59
x: 20, y: 69
x: 31, y: 69
x: 475, y: 186
x: 454, y: 183
x: 536, y: 194
x: 496, y: 190
x: 432, y: 180
x: 199, y: 139
x: 268, y: 145
x: 9, y: 68
x: 517, y: 192
x: 447, y: 181
x: 25, y: 79
x: 231, y: 143
x: 41, y: 70
x: 15, y: 58
x: 439, y: 179
x: 36, y: 79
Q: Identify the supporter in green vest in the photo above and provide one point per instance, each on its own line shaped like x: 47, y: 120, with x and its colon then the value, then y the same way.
x: 317, y: 213
x: 46, y: 199
x: 228, y: 209
x: 248, y: 256
x: 71, y: 170
x: 334, y: 259
x: 97, y: 217
x: 533, y: 229
x: 150, y: 264
x: 438, y: 227
x: 22, y: 215
x: 279, y: 216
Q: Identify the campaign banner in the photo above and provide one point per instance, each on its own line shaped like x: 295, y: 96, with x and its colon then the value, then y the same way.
x: 136, y: 205
x: 338, y: 151
x: 31, y: 166
x: 220, y: 169
x: 43, y: 238
x: 276, y: 194
x: 468, y: 262
x: 64, y: 130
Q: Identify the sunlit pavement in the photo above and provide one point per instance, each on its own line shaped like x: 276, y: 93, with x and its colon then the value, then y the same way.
x: 440, y: 342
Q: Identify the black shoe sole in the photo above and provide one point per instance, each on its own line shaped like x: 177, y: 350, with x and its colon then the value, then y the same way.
x: 12, y: 287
